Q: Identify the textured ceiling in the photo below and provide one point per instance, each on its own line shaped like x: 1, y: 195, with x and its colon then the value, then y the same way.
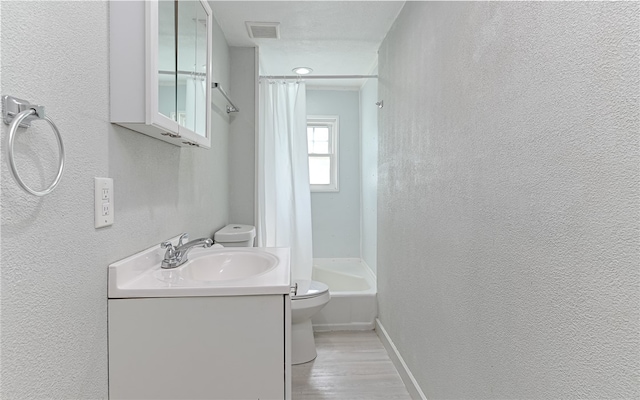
x: 332, y: 37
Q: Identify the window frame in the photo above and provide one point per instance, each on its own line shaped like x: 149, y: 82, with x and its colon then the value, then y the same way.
x: 332, y: 122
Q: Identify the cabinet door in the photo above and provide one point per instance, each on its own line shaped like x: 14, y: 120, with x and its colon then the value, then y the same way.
x: 202, y: 100
x: 166, y: 61
x: 197, y: 348
x: 161, y: 57
x: 194, y: 32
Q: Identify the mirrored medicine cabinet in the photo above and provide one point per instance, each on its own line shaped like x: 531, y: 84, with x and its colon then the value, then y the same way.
x: 161, y: 69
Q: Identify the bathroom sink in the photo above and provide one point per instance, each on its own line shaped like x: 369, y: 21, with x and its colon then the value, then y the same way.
x: 214, y: 271
x: 228, y: 265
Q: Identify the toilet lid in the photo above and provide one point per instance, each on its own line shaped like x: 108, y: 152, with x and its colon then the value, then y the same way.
x: 308, y: 289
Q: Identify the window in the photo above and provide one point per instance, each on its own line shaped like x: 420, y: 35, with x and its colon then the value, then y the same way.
x: 322, y: 139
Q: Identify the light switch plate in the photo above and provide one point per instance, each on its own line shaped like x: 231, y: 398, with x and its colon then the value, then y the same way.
x: 104, y: 209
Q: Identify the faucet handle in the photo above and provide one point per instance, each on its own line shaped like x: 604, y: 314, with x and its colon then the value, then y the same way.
x: 169, y: 255
x: 184, y: 238
x: 170, y: 249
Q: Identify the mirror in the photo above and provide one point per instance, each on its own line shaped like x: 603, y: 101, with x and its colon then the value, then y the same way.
x: 167, y: 78
x: 202, y: 66
x: 182, y: 63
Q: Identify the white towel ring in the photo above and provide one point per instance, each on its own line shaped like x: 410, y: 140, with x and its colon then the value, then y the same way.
x: 15, y: 123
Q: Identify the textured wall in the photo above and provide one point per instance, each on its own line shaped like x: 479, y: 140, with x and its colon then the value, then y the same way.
x: 336, y: 215
x: 509, y: 239
x: 242, y: 136
x: 369, y: 172
x: 54, y: 263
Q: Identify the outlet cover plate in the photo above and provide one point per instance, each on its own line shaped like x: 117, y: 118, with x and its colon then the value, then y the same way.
x: 104, y: 205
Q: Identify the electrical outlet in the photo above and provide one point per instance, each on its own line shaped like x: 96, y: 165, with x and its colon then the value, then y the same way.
x: 104, y: 210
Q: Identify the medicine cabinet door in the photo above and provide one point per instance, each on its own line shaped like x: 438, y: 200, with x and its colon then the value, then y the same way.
x: 184, y: 68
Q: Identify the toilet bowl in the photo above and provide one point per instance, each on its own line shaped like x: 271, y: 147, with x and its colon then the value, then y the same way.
x: 310, y: 297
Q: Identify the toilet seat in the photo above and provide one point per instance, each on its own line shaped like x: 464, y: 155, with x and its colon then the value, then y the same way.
x: 309, y: 289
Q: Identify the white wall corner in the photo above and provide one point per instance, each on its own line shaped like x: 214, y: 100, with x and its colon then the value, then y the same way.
x: 407, y: 377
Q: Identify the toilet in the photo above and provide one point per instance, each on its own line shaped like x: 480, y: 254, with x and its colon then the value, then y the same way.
x: 309, y: 297
x: 235, y: 235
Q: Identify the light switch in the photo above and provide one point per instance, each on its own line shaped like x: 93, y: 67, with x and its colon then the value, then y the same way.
x: 104, y: 210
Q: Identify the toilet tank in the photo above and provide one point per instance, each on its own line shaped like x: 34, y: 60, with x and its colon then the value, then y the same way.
x: 235, y: 235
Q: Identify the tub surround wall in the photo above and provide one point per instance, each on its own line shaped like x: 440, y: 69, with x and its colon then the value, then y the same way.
x: 508, y: 198
x: 369, y: 172
x: 54, y: 263
x: 336, y: 215
x: 242, y: 135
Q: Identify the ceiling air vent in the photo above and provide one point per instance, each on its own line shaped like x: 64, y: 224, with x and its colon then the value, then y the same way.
x: 263, y: 30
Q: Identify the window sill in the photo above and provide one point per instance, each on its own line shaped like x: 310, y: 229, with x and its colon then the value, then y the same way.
x: 324, y: 189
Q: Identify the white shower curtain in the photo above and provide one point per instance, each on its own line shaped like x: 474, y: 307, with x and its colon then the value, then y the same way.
x: 283, y: 195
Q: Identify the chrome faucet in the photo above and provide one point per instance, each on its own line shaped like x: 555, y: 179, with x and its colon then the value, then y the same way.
x: 176, y: 256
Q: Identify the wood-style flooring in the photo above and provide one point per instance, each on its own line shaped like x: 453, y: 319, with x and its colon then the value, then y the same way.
x: 349, y: 366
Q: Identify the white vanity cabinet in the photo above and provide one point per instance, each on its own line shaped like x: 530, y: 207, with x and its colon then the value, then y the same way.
x: 160, y: 69
x: 226, y: 347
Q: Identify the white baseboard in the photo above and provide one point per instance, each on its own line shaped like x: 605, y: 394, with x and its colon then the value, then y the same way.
x: 352, y: 326
x: 407, y: 377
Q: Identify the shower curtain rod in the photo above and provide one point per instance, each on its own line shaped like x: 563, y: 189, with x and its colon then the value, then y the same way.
x: 317, y: 76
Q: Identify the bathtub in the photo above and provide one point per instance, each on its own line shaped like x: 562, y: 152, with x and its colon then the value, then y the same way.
x: 352, y: 285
